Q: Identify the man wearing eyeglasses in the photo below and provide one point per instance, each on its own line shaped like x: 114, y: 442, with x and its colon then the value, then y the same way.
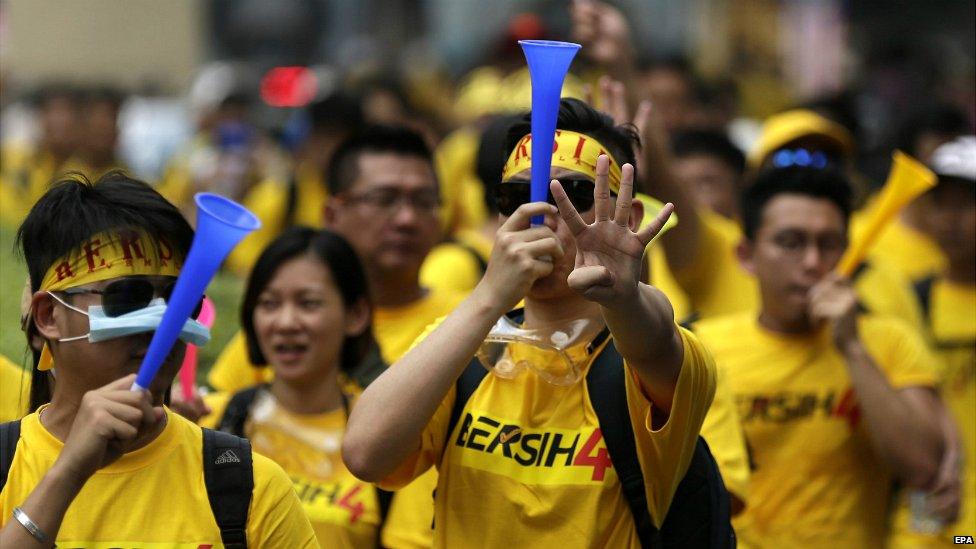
x: 835, y: 404
x: 100, y: 463
x: 522, y: 462
x: 385, y: 201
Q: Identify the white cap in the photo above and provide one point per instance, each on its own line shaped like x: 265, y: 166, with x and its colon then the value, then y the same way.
x: 956, y: 158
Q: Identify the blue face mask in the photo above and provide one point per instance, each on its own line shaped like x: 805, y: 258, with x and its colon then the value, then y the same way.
x: 102, y: 327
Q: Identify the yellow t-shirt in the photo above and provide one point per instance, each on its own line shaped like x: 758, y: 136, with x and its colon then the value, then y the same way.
x: 716, y: 285
x: 268, y: 200
x: 24, y: 177
x: 343, y: 510
x: 953, y: 334
x: 394, y: 328
x: 816, y: 482
x: 15, y: 383
x: 912, y: 253
x: 461, y: 190
x: 454, y: 265
x: 526, y: 465
x: 155, y: 496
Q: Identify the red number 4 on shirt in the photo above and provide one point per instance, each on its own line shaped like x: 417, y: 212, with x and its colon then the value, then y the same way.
x: 599, y: 462
x: 355, y: 509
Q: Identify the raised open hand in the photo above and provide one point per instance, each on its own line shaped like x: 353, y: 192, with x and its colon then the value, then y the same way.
x: 608, y: 251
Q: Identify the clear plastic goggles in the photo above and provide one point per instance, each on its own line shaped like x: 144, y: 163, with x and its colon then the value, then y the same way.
x: 551, y: 352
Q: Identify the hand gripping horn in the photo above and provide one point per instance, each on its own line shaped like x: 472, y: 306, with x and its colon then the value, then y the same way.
x: 548, y: 64
x: 221, y: 224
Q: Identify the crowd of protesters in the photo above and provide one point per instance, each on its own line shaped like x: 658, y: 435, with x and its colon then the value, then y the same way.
x: 672, y: 357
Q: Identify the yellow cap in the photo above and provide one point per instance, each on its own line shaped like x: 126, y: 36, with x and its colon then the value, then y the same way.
x: 780, y: 129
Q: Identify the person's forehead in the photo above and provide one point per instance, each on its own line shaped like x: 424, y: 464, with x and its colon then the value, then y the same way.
x: 394, y: 170
x: 800, y: 212
x: 557, y: 172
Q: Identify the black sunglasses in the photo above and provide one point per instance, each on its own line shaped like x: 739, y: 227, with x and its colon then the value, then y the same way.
x: 131, y: 294
x: 509, y: 195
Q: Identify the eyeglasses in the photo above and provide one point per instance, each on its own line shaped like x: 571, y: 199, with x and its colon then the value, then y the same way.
x: 386, y: 201
x: 509, y: 195
x: 796, y: 243
x: 130, y: 294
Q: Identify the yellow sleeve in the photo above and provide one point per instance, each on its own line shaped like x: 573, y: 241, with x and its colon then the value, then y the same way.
x: 276, y: 517
x: 450, y: 267
x: 722, y: 431
x: 233, y: 371
x: 663, y: 279
x: 665, y: 453
x: 900, y: 352
x: 15, y: 383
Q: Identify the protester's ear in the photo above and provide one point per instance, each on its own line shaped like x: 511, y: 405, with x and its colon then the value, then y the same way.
x: 328, y: 215
x: 42, y: 309
x: 636, y: 214
x: 357, y: 318
x: 744, y: 252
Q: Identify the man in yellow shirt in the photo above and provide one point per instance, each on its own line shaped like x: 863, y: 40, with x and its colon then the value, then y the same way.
x: 526, y: 464
x: 102, y: 464
x: 949, y: 301
x: 701, y: 251
x: 385, y: 202
x: 834, y: 405
x: 26, y: 174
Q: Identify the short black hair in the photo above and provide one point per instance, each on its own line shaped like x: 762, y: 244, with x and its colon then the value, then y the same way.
x: 343, y: 169
x: 709, y: 143
x: 104, y: 95
x: 42, y: 96
x: 940, y: 118
x: 339, y: 112
x: 75, y: 209
x: 575, y: 115
x: 347, y: 271
x: 826, y: 184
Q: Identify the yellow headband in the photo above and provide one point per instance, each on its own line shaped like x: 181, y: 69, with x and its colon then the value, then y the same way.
x: 571, y: 150
x: 111, y: 254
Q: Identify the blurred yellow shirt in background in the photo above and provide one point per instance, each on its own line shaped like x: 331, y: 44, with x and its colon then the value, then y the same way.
x: 816, y: 482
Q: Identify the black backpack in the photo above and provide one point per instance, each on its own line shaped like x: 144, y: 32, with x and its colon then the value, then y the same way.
x: 700, y: 513
x: 227, y: 471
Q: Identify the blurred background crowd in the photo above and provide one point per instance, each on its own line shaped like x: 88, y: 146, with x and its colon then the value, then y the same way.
x: 250, y: 98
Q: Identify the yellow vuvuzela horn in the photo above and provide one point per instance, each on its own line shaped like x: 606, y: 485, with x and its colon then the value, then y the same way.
x: 908, y: 179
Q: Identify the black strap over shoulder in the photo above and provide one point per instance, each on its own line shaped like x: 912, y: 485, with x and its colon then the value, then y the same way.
x: 237, y: 411
x: 607, y: 388
x: 9, y: 435
x: 923, y: 290
x: 228, y: 472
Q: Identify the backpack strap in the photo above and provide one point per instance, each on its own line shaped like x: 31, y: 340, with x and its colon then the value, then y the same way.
x: 466, y: 385
x: 9, y: 435
x: 238, y: 409
x: 228, y: 472
x: 923, y: 290
x: 607, y: 388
